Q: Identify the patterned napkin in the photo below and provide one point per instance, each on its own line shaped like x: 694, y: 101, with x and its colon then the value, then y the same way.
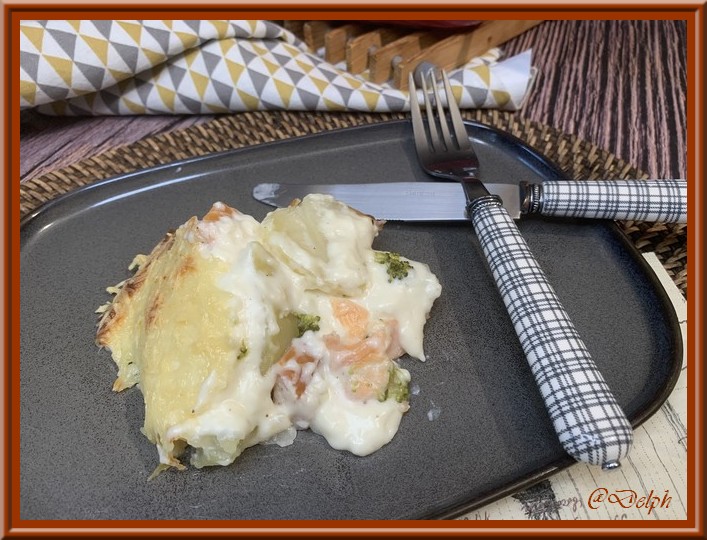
x: 116, y: 67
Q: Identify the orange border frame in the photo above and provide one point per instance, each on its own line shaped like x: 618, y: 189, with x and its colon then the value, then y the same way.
x: 14, y: 10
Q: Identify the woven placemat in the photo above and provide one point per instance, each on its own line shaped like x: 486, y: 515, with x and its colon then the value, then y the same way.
x: 577, y: 158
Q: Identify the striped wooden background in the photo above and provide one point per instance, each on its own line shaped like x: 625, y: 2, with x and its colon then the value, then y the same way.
x: 619, y: 84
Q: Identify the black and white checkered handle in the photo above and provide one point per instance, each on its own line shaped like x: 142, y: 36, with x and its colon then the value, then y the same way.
x: 640, y: 200
x: 589, y: 422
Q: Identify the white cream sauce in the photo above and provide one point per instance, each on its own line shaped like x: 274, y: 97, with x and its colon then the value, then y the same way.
x: 273, y: 271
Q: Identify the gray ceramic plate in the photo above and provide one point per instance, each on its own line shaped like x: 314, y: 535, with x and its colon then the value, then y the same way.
x: 476, y: 430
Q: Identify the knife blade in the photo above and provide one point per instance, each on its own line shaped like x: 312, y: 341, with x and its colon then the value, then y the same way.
x: 640, y: 200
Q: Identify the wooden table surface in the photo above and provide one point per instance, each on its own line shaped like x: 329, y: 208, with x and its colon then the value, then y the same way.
x: 621, y: 85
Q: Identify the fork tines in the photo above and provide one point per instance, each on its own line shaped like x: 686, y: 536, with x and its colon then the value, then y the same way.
x: 434, y: 100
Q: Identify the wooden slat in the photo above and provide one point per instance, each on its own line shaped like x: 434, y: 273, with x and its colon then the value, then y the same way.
x: 296, y: 27
x: 314, y: 32
x: 335, y: 41
x: 458, y: 49
x: 380, y: 62
x: 359, y: 48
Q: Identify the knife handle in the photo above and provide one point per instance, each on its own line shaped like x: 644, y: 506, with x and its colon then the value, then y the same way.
x: 589, y: 422
x: 640, y: 200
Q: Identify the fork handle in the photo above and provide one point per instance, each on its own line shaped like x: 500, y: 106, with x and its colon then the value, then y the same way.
x: 590, y: 424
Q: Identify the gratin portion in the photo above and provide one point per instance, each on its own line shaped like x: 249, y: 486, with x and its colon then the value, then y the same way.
x: 239, y: 332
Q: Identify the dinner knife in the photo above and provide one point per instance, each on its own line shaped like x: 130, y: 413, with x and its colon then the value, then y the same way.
x: 639, y: 200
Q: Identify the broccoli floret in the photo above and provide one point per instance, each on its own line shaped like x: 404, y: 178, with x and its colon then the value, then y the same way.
x: 397, y: 267
x: 306, y: 322
x: 398, y: 385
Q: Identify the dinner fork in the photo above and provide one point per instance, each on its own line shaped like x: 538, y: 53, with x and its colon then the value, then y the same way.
x: 590, y: 424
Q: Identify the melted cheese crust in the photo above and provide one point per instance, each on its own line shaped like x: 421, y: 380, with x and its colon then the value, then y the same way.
x: 208, y: 328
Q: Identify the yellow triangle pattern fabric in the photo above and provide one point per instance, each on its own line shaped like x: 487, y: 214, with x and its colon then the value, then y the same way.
x: 484, y: 73
x: 62, y: 66
x: 153, y: 56
x: 201, y: 83
x: 136, y: 108
x: 250, y: 102
x: 221, y: 27
x: 99, y: 47
x: 76, y: 25
x: 188, y: 40
x: 134, y: 30
x: 167, y: 95
x: 130, y: 67
x: 501, y: 97
x: 35, y: 35
x: 28, y: 90
x: 284, y: 90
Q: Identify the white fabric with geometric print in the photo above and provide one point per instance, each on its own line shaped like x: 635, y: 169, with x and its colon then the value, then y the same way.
x: 115, y: 67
